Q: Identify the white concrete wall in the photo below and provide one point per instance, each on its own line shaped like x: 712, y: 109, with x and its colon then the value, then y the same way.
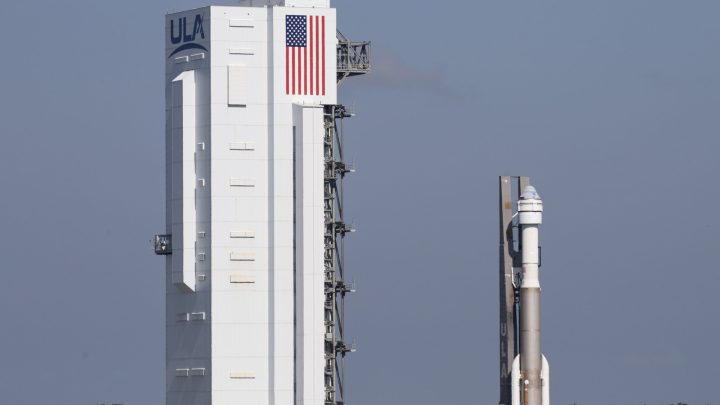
x: 241, y: 201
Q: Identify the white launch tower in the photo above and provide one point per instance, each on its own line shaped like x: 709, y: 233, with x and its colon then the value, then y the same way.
x: 254, y: 219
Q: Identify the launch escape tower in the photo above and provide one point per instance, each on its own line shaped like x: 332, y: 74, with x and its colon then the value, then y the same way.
x: 255, y: 274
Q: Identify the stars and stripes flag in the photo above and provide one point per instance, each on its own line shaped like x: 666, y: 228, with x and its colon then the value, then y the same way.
x: 305, y: 55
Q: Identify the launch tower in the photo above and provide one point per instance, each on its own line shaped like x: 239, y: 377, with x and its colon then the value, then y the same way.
x: 254, y: 227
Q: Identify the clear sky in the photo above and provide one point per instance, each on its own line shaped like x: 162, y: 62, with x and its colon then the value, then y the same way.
x: 611, y: 106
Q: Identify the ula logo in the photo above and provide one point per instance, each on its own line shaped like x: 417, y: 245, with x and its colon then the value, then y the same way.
x: 180, y: 34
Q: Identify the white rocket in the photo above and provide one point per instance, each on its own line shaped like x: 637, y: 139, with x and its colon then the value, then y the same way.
x: 530, y: 371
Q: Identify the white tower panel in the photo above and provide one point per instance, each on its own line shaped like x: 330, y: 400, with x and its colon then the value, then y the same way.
x: 310, y: 261
x: 183, y: 145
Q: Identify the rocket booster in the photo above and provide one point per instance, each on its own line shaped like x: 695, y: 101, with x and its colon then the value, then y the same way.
x: 532, y: 377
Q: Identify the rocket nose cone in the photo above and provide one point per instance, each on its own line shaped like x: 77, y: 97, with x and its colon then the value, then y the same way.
x: 530, y: 194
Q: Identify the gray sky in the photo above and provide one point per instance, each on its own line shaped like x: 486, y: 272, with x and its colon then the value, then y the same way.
x: 611, y: 106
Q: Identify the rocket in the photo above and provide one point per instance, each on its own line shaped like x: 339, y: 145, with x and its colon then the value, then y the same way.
x: 530, y: 371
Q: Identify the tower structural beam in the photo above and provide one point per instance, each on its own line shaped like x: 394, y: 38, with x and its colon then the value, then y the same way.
x: 336, y: 286
x: 510, y: 262
x: 353, y: 59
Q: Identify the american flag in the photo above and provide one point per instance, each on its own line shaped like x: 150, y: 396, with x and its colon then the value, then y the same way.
x: 305, y: 55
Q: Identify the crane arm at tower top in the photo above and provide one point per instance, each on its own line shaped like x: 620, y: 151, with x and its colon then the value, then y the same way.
x: 353, y: 57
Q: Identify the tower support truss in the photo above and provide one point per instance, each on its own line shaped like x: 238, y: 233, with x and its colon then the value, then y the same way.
x: 510, y: 261
x: 336, y: 285
x: 353, y: 57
